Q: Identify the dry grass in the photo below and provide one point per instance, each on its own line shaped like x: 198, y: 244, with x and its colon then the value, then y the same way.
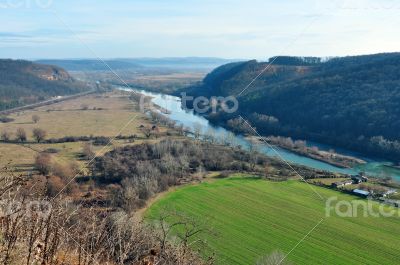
x: 17, y: 156
x: 68, y: 119
x: 327, y: 181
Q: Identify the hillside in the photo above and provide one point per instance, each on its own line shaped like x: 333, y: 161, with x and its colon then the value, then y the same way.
x: 92, y: 65
x: 25, y: 82
x: 349, y: 101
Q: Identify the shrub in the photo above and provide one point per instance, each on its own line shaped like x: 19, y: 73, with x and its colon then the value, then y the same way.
x: 65, y: 172
x: 54, y: 186
x: 223, y: 175
x: 35, y: 118
x: 101, y: 140
x: 52, y: 150
x: 43, y: 163
x: 5, y: 119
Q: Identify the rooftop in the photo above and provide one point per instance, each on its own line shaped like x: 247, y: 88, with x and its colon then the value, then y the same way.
x: 362, y: 192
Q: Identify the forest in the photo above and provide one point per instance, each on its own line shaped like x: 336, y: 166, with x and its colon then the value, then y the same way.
x: 24, y: 82
x: 347, y: 101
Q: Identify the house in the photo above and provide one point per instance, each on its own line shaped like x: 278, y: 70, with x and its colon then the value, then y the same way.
x: 342, y: 183
x: 362, y: 193
x: 357, y: 179
x: 389, y: 192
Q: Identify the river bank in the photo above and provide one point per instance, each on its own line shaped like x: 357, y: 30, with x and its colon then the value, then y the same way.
x: 300, y: 147
x: 188, y: 119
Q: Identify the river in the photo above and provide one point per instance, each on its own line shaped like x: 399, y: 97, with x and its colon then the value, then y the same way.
x: 373, y: 167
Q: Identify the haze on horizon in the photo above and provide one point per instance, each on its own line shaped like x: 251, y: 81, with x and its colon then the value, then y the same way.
x: 33, y: 29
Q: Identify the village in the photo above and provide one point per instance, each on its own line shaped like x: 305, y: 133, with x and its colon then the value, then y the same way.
x: 378, y: 189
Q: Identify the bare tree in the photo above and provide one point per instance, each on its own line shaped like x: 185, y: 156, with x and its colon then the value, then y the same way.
x: 5, y: 135
x: 60, y: 233
x: 87, y: 151
x: 180, y: 129
x: 197, y: 129
x: 39, y: 134
x: 188, y: 229
x: 21, y: 135
x: 35, y: 118
x: 254, y: 153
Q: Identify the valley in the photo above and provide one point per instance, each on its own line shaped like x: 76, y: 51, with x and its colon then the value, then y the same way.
x: 199, y: 132
x: 239, y: 208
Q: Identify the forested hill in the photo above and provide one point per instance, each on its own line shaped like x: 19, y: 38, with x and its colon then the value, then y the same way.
x: 349, y: 101
x: 25, y: 82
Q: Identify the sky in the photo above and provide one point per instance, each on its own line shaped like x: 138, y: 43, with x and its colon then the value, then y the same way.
x: 251, y: 29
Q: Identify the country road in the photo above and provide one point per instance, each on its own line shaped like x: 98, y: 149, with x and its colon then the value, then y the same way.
x: 46, y: 102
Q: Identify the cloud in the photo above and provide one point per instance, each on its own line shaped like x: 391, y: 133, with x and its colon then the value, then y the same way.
x: 4, y: 35
x: 39, y: 37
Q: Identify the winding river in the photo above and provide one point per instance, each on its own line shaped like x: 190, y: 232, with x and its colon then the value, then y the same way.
x: 373, y: 167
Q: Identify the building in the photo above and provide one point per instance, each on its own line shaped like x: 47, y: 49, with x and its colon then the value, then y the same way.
x: 357, y: 179
x: 362, y: 193
x: 342, y: 183
x: 389, y: 192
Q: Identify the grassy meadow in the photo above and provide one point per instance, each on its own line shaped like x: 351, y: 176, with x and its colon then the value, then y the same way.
x: 106, y: 115
x: 254, y: 217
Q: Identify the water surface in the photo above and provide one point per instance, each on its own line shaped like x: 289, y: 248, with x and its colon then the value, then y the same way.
x: 187, y: 118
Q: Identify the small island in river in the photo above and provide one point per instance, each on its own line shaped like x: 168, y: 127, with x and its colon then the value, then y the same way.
x: 300, y: 147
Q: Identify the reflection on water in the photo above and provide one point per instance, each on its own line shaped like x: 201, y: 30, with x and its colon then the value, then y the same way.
x: 189, y: 119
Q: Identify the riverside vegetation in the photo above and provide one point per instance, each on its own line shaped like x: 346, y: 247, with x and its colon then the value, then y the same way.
x: 84, y: 208
x: 74, y: 188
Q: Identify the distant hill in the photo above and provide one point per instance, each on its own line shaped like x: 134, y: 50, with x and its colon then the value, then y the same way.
x: 348, y: 101
x: 92, y: 65
x: 138, y: 64
x: 25, y: 82
x: 182, y: 63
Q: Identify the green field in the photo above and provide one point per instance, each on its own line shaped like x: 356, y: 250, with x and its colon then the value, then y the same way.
x: 254, y: 217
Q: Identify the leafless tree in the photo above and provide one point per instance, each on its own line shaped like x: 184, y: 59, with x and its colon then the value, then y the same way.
x: 180, y: 129
x: 197, y: 129
x: 21, y: 135
x: 87, y: 151
x: 188, y: 229
x: 254, y: 154
x: 5, y: 135
x: 39, y: 134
